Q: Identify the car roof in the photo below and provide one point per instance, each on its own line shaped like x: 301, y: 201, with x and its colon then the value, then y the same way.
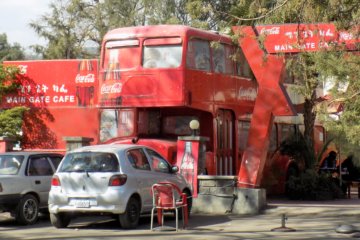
x: 27, y: 153
x: 106, y: 148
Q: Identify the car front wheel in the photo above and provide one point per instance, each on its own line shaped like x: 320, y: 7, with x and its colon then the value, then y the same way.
x: 60, y: 220
x: 130, y: 218
x: 27, y: 211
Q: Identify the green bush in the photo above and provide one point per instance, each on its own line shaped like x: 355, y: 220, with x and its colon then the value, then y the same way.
x: 310, y: 185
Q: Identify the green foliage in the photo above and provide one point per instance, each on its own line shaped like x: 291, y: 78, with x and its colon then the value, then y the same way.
x: 63, y: 29
x: 9, y: 52
x: 210, y: 14
x: 346, y: 146
x: 310, y: 185
x: 74, y: 25
x: 8, y: 79
x: 299, y: 149
x: 344, y: 68
x: 11, y: 122
x: 10, y: 119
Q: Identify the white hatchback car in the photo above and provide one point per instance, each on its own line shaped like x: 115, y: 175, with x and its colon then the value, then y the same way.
x: 109, y: 179
x: 25, y: 179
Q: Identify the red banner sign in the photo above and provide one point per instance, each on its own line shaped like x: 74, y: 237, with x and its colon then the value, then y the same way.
x: 289, y: 38
x: 55, y: 83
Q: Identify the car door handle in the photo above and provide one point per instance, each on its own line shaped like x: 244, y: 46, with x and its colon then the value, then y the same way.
x: 37, y: 182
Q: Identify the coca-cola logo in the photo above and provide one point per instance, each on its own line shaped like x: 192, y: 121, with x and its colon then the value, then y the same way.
x: 113, y: 88
x: 89, y: 78
x: 270, y: 31
x: 345, y: 36
x: 248, y: 94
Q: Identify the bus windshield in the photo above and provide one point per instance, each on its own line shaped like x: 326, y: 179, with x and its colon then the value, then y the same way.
x: 120, y: 123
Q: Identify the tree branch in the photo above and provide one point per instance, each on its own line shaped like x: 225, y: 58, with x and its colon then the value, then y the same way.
x: 256, y: 18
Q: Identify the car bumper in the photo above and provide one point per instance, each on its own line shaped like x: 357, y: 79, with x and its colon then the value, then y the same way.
x: 113, y: 203
x: 114, y: 209
x: 9, y: 201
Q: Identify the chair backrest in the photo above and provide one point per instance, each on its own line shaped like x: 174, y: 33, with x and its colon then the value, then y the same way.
x: 164, y: 194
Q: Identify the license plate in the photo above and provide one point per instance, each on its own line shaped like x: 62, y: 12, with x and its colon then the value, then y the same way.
x: 83, y: 203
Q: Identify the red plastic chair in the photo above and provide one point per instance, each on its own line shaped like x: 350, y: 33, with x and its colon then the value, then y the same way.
x: 165, y: 197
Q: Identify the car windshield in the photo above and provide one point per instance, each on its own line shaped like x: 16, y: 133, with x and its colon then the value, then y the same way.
x: 90, y: 162
x: 10, y: 164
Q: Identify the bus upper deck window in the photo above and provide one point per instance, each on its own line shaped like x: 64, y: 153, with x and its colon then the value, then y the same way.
x: 243, y: 67
x: 198, y: 55
x: 162, y: 52
x: 120, y: 55
x: 219, y: 58
x: 222, y: 61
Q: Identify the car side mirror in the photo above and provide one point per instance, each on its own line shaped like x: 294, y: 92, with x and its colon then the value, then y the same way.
x: 174, y: 169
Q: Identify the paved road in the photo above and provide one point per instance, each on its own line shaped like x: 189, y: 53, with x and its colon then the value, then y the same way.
x: 311, y: 220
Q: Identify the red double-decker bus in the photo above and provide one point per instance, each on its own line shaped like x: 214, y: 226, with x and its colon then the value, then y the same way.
x: 155, y: 79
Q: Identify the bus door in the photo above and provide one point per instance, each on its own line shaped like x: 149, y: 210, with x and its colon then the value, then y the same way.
x: 225, y: 149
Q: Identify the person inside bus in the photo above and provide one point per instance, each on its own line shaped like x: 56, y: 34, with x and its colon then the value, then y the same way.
x: 151, y: 57
x: 329, y: 163
x: 202, y: 60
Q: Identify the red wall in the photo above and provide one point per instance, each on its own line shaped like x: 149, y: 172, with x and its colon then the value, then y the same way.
x: 61, y: 96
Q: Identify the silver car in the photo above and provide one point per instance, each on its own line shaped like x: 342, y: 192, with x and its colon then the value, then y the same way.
x: 109, y: 179
x: 25, y: 179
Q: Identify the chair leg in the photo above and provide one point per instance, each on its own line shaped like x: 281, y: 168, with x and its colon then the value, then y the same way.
x: 160, y: 216
x: 183, y: 216
x: 176, y: 220
x: 186, y: 215
x: 152, y: 219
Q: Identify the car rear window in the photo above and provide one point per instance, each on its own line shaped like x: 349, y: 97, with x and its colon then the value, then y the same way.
x: 10, y: 164
x: 90, y: 162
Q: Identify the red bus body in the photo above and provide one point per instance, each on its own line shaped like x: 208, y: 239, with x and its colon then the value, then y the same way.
x: 173, y: 92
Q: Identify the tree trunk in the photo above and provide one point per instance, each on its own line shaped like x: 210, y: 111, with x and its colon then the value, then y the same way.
x: 309, y: 123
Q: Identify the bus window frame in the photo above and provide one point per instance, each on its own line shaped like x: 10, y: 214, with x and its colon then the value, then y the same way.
x: 194, y: 55
x: 106, y: 59
x: 159, y: 41
x: 227, y: 50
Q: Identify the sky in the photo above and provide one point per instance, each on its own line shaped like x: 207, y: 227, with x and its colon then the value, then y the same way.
x: 15, y: 16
